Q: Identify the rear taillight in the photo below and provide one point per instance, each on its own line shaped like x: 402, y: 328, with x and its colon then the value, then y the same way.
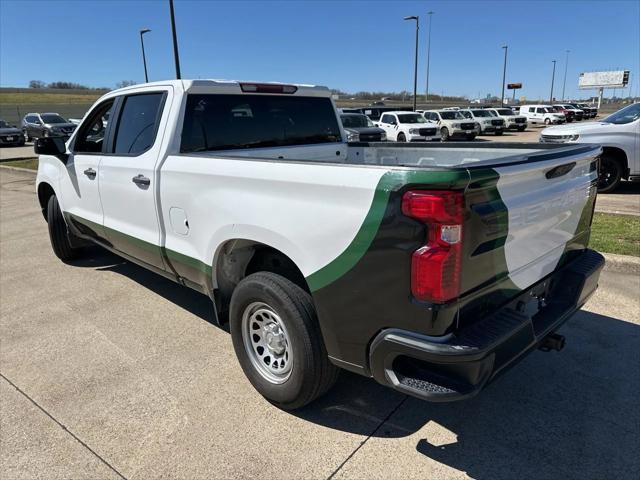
x: 435, y: 267
x: 267, y: 88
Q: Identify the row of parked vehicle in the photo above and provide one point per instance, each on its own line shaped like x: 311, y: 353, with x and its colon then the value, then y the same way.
x: 426, y: 125
x: 33, y: 126
x: 380, y: 123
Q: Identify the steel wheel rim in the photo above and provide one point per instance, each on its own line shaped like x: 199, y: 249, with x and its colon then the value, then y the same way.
x: 267, y: 343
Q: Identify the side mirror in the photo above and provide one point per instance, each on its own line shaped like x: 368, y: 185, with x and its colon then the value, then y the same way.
x: 53, y: 146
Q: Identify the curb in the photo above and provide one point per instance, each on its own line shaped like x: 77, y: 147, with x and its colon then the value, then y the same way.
x: 18, y: 169
x: 621, y: 263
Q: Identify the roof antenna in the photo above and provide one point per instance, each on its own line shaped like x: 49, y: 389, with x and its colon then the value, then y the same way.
x: 175, y: 40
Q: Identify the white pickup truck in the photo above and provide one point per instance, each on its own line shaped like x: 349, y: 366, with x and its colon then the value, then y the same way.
x: 429, y: 267
x: 619, y: 135
x: 408, y: 127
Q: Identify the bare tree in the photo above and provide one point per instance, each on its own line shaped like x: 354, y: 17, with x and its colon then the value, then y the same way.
x: 125, y: 83
x: 37, y: 84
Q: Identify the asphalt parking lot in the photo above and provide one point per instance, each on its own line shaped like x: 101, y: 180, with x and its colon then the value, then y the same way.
x: 109, y: 371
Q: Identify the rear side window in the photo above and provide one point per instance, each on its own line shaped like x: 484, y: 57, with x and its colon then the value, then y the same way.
x: 138, y: 123
x: 227, y: 122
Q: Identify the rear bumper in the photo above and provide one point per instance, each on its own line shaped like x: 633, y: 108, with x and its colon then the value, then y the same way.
x: 459, y: 366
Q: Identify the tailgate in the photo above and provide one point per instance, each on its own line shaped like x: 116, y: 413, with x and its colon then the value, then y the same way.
x: 527, y: 218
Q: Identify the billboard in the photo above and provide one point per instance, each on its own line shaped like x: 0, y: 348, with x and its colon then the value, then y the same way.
x: 608, y: 79
x: 514, y: 86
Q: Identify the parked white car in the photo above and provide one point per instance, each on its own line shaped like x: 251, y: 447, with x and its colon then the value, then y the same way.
x: 512, y: 120
x: 542, y: 114
x: 452, y: 123
x: 407, y: 127
x: 619, y: 135
x: 489, y: 123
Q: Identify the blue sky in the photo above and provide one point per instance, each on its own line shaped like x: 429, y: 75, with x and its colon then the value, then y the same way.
x: 350, y: 45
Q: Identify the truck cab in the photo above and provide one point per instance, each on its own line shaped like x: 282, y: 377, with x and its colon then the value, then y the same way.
x: 513, y: 121
x: 453, y: 124
x: 488, y: 121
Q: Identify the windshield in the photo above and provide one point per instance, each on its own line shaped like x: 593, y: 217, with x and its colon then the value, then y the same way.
x: 505, y: 112
x: 49, y: 118
x: 4, y: 124
x: 481, y: 113
x: 355, y: 121
x: 628, y: 114
x: 466, y: 114
x: 549, y: 110
x: 452, y: 115
x: 411, y: 118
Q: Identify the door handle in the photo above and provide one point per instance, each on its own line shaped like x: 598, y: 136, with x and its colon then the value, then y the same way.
x: 90, y: 172
x: 141, y: 180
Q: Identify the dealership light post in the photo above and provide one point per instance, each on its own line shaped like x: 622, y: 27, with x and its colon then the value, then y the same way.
x: 564, y: 82
x: 144, y: 58
x: 426, y: 94
x: 504, y: 74
x: 175, y: 40
x: 553, y: 77
x: 415, y: 66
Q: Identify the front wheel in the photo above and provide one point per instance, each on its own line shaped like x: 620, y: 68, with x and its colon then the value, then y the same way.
x: 610, y: 174
x: 471, y: 137
x: 444, y: 134
x: 59, y: 232
x: 498, y: 133
x: 547, y: 121
x: 277, y: 339
x: 401, y: 137
x: 521, y: 129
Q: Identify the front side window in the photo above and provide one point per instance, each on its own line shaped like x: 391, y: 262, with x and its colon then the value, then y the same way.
x: 90, y: 137
x: 227, y: 122
x: 138, y: 123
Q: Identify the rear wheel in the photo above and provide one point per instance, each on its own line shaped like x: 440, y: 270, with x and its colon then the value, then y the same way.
x: 444, y: 134
x: 401, y: 137
x: 547, y: 121
x: 277, y: 339
x: 499, y: 132
x: 59, y: 232
x: 610, y: 174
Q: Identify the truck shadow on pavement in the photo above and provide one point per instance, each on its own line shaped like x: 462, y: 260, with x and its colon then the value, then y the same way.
x: 572, y: 414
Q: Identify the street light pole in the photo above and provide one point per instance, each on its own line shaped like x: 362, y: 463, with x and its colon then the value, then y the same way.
x: 564, y: 82
x: 426, y: 95
x: 144, y: 58
x: 175, y: 40
x: 504, y: 74
x: 415, y: 65
x: 553, y: 77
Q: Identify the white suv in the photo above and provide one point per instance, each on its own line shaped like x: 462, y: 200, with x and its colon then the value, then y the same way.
x: 512, y: 120
x: 489, y: 123
x: 407, y: 127
x: 542, y: 114
x: 619, y: 135
x: 452, y: 123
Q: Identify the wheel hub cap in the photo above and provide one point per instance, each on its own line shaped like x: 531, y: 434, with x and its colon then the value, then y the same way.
x: 267, y: 342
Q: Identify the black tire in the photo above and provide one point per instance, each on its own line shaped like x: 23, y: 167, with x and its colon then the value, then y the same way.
x: 311, y: 374
x: 609, y: 175
x: 471, y: 137
x: 401, y: 137
x: 547, y: 121
x: 58, y: 232
x: 522, y: 129
x: 499, y: 132
x: 444, y: 134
